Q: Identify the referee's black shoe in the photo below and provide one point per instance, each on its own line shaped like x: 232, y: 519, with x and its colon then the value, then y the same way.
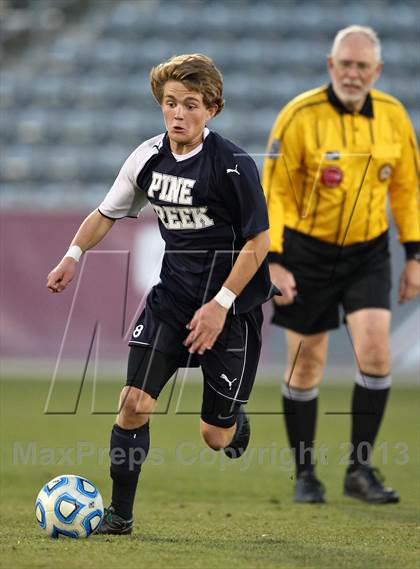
x: 365, y: 483
x: 239, y: 443
x: 113, y: 524
x: 308, y: 489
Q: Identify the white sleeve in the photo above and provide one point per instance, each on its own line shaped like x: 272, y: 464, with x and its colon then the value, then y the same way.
x: 125, y: 198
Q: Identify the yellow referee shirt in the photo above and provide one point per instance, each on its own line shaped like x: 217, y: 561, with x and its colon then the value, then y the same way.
x: 328, y: 171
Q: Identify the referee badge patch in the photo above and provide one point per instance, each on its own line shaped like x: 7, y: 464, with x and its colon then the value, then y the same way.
x: 332, y: 176
x: 384, y: 172
x: 332, y: 155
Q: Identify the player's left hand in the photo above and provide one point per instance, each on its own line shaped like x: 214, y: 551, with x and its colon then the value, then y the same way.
x: 409, y: 281
x: 205, y: 326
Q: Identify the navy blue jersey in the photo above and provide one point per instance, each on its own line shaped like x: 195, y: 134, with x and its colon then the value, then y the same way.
x: 208, y: 202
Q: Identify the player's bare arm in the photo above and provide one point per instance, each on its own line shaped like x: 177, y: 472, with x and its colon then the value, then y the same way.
x: 249, y: 260
x: 285, y: 281
x: 409, y: 281
x: 208, y: 321
x: 90, y: 233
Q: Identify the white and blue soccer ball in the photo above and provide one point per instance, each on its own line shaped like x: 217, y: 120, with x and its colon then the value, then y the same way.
x: 70, y: 506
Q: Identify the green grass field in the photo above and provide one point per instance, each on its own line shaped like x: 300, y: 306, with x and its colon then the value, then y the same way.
x: 194, y: 507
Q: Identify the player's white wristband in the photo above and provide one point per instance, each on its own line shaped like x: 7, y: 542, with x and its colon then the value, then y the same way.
x: 225, y: 297
x: 74, y: 252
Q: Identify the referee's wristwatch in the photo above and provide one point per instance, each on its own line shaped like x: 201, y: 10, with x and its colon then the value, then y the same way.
x: 412, y: 251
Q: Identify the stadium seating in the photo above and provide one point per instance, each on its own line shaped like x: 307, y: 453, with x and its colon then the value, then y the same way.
x: 74, y: 94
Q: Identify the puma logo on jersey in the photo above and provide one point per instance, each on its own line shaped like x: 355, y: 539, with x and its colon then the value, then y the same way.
x: 183, y: 217
x: 225, y: 377
x: 171, y: 188
x: 232, y: 170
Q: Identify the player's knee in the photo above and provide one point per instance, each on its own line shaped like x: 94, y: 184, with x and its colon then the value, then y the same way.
x: 135, y: 405
x: 213, y: 441
x: 215, y: 437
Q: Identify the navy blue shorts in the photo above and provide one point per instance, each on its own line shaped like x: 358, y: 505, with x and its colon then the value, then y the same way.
x: 329, y: 277
x: 229, y: 368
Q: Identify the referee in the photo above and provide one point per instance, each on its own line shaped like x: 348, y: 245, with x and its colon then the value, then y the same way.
x: 335, y: 155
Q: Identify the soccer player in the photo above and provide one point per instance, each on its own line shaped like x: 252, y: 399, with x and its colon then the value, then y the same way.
x: 206, y: 309
x: 335, y: 154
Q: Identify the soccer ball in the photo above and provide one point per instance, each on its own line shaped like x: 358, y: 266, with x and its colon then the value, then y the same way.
x: 70, y: 506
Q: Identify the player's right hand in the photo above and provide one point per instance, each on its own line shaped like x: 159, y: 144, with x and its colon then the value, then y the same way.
x: 205, y: 327
x: 61, y: 275
x: 285, y: 281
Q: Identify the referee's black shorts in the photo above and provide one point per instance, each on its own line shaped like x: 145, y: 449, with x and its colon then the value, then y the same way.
x: 329, y: 277
x: 229, y: 368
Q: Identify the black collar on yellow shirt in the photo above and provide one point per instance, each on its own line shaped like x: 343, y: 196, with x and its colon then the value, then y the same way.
x: 366, y: 110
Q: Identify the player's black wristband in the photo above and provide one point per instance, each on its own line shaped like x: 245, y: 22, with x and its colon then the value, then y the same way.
x: 412, y: 250
x: 273, y: 257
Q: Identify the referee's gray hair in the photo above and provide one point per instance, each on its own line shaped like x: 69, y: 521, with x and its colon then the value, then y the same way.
x: 365, y: 30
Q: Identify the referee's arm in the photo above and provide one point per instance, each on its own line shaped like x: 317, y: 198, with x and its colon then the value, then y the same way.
x: 403, y: 187
x: 404, y: 202
x: 282, y: 173
x: 281, y: 170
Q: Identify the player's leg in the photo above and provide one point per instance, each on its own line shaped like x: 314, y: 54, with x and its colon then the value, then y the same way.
x: 306, y: 357
x: 369, y: 330
x: 229, y: 371
x: 224, y: 423
x: 129, y: 446
x: 147, y: 373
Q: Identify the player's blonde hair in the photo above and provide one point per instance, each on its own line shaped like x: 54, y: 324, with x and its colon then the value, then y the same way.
x: 196, y: 71
x: 365, y: 30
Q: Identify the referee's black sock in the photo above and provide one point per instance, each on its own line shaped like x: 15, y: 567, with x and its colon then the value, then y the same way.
x: 300, y: 410
x: 128, y: 451
x: 370, y: 395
